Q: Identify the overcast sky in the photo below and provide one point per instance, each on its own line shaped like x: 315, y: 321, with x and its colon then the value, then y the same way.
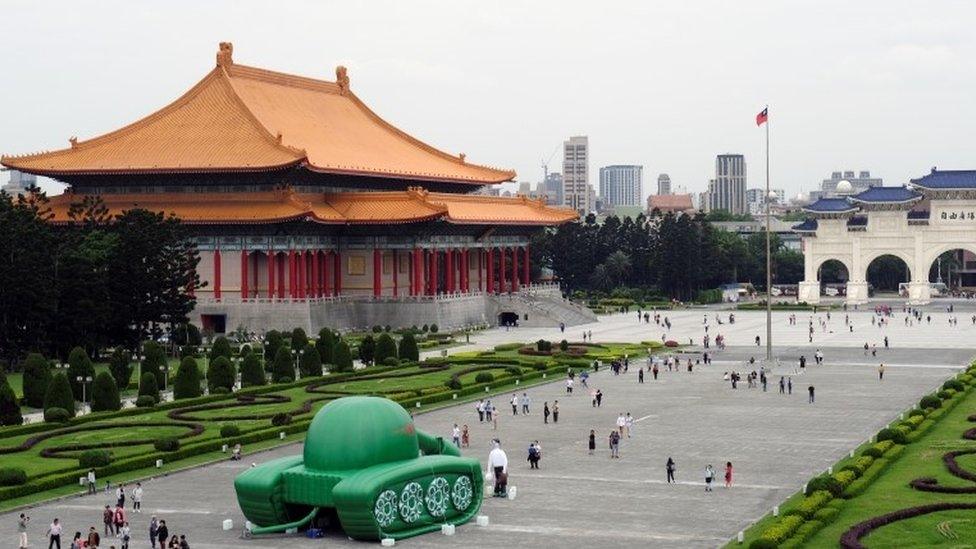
x: 886, y: 86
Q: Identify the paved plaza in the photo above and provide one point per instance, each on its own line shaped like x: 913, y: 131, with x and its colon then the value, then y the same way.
x: 775, y: 442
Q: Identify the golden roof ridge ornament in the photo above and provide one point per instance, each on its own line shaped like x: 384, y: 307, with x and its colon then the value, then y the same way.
x: 342, y: 79
x: 74, y: 141
x: 461, y: 157
x: 225, y: 55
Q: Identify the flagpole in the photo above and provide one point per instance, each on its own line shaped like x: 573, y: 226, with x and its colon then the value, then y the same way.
x: 769, y: 272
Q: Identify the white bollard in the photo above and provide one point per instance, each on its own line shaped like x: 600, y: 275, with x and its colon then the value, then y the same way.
x: 228, y: 524
x: 516, y: 382
x: 543, y: 376
x: 418, y: 404
x: 775, y: 510
x: 742, y: 536
x: 223, y: 448
x: 512, y: 492
x: 486, y: 389
x: 447, y: 529
x: 455, y: 396
x: 901, y: 416
x: 248, y: 525
x: 830, y: 470
x: 281, y: 435
x: 291, y: 531
x: 804, y: 489
x: 482, y: 520
x: 159, y: 463
x: 81, y: 481
x: 387, y: 542
x: 852, y: 453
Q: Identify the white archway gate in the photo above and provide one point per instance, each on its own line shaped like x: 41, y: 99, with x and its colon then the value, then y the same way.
x: 935, y: 214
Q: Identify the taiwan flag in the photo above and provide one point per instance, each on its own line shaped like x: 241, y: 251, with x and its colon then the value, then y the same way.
x: 762, y: 117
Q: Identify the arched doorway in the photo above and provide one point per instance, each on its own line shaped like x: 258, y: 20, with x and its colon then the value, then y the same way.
x: 886, y: 273
x: 833, y: 276
x: 508, y: 319
x: 953, y: 271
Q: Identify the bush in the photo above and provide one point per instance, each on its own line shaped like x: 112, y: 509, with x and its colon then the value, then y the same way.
x: 367, y: 349
x: 227, y: 431
x: 543, y: 346
x: 433, y: 328
x: 946, y: 394
x: 245, y: 350
x: 121, y: 367
x: 186, y: 383
x: 507, y: 347
x: 155, y: 363
x: 810, y: 504
x: 105, y: 394
x: 954, y: 384
x: 145, y: 401
x: 148, y: 386
x: 220, y: 348
x: 513, y: 371
x: 780, y: 531
x: 282, y: 366
x: 807, y: 530
x: 670, y: 343
x: 273, y: 340
x: 454, y: 383
x: 408, y: 348
x: 221, y: 391
x: 280, y: 419
x: 826, y: 515
x: 186, y: 334
x: 91, y: 459
x: 930, y: 401
x: 385, y: 348
x: 845, y: 478
x: 425, y: 328
x: 391, y: 361
x: 564, y: 345
x: 79, y: 365
x: 56, y: 415
x: 299, y: 339
x: 9, y: 409
x: 824, y: 483
x: 221, y: 373
x: 896, y: 435
x: 916, y: 413
x: 859, y: 465
x: 325, y: 344
x: 763, y: 543
x: 310, y: 364
x: 252, y: 371
x: 12, y: 476
x: 285, y: 379
x: 342, y: 357
x: 37, y: 376
x: 484, y: 377
x: 167, y: 444
x: 377, y: 328
x: 59, y: 395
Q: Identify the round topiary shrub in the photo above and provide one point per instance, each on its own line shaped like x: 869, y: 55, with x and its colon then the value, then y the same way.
x: 564, y: 345
x: 954, y: 384
x: 280, y: 419
x: 454, y: 383
x: 484, y: 377
x: 916, y: 412
x: 763, y: 543
x: 56, y: 415
x: 186, y: 384
x: 930, y: 401
x: 433, y: 328
x: 252, y: 371
x: 90, y: 459
x: 391, y: 361
x: 895, y: 435
x: 385, y: 349
x: 168, y: 444
x: 825, y: 482
x: 946, y: 394
x: 37, y: 377
x: 105, y: 393
x: 221, y: 373
x: 513, y: 371
x: 377, y: 329
x: 12, y: 476
x: 145, y: 401
x: 59, y: 395
x: 227, y: 431
x: 670, y: 343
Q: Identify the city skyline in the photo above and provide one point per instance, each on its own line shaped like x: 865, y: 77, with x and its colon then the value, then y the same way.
x: 855, y: 100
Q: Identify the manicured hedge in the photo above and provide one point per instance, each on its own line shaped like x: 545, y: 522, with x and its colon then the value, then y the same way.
x: 94, y: 458
x: 779, y: 532
x: 12, y: 476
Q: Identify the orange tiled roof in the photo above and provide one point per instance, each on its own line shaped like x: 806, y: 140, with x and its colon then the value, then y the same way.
x: 242, y: 118
x: 394, y: 207
x: 670, y: 202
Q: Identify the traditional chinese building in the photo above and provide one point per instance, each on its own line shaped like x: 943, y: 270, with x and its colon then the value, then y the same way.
x: 917, y: 223
x: 309, y: 209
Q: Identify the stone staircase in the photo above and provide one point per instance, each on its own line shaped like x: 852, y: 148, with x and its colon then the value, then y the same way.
x: 543, y: 306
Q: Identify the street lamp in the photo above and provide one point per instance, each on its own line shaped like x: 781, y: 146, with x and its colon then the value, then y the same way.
x: 237, y: 370
x: 84, y: 380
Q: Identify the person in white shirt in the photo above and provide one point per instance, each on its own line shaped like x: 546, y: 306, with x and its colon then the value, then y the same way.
x: 569, y: 386
x: 629, y: 423
x: 621, y: 422
x: 137, y: 498
x: 54, y: 534
x: 91, y: 481
x: 498, y: 462
x: 515, y: 403
x: 456, y: 435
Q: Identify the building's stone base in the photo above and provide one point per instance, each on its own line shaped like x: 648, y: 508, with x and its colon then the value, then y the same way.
x: 808, y: 292
x: 536, y: 307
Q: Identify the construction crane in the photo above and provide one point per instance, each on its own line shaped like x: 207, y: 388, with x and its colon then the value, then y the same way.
x: 545, y: 164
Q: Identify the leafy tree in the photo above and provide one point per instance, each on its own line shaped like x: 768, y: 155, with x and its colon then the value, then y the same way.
x: 148, y: 386
x: 298, y: 338
x: 105, y: 393
x: 186, y: 382
x: 221, y: 347
x: 282, y: 367
x: 121, y: 368
x: 9, y: 409
x: 272, y: 341
x: 59, y: 394
x: 326, y: 345
x: 37, y: 377
x: 310, y: 365
x: 367, y: 349
x: 187, y: 334
x: 342, y: 361
x: 221, y: 373
x: 725, y: 215
x: 79, y: 365
x: 385, y: 348
x: 408, y: 348
x: 252, y: 371
x: 155, y: 363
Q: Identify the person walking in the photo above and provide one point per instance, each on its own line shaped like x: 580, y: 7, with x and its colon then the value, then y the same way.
x: 545, y: 412
x: 811, y: 398
x: 881, y: 372
x: 654, y: 371
x: 621, y: 421
x: 728, y: 474
x: 494, y: 418
x: 525, y: 404
x: 137, y: 498
x: 599, y: 398
x: 93, y: 538
x: 153, y: 531
x: 76, y: 541
x: 162, y: 533
x: 480, y: 408
x: 789, y: 385
x: 464, y: 436
x: 709, y: 477
x: 108, y: 521
x: 555, y: 411
x: 22, y: 531
x: 535, y: 454
x: 640, y: 375
x: 498, y: 461
x: 54, y: 534
x: 489, y: 409
x: 592, y: 441
x: 118, y: 519
x: 125, y: 534
x: 629, y: 424
x: 670, y: 468
x: 614, y: 444
x: 515, y: 404
x: 120, y: 495
x: 456, y: 435
x: 569, y: 386
x: 782, y: 385
x: 91, y: 482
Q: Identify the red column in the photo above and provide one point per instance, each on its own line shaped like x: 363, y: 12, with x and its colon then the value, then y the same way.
x: 449, y: 270
x: 377, y: 273
x: 464, y: 270
x: 271, y: 274
x: 281, y: 259
x: 316, y: 281
x: 396, y: 269
x: 244, y: 280
x: 300, y: 268
x: 338, y: 272
x: 417, y: 272
x: 326, y: 284
x: 501, y: 270
x: 515, y: 270
x: 216, y: 275
x: 435, y: 259
x: 481, y: 264
x: 526, y: 275
x: 490, y: 288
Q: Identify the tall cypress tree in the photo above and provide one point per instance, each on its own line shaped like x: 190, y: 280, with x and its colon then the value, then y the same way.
x: 37, y: 377
x: 186, y: 382
x: 9, y: 409
x: 105, y: 393
x: 59, y: 394
x: 79, y: 366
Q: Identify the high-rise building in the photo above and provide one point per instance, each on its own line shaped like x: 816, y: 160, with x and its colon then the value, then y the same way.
x: 755, y: 202
x: 728, y: 190
x: 621, y: 185
x: 19, y: 183
x: 554, y: 188
x: 576, y: 176
x: 663, y: 184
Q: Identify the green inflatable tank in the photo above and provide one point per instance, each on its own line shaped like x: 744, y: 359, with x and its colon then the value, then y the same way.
x: 364, y: 458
